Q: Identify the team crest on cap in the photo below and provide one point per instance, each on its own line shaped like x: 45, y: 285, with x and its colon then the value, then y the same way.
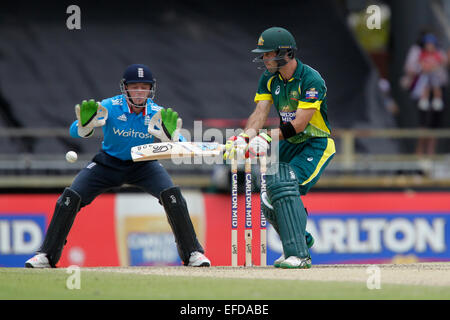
x: 140, y: 72
x: 260, y: 41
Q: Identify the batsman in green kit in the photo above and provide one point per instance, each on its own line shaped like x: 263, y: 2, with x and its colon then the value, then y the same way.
x: 299, y: 95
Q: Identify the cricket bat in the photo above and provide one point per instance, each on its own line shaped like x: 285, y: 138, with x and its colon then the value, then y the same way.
x: 174, y: 150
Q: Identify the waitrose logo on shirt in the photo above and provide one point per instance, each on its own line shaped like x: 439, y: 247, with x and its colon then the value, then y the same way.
x: 131, y: 133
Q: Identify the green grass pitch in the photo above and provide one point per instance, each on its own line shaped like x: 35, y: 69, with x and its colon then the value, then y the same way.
x: 36, y: 284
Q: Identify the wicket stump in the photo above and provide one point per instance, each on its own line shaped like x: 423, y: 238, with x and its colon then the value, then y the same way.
x: 234, y: 213
x: 263, y: 222
x: 248, y: 214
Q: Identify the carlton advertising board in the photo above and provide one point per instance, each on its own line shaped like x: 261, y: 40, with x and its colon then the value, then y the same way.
x: 380, y: 227
x: 380, y: 238
x: 132, y: 229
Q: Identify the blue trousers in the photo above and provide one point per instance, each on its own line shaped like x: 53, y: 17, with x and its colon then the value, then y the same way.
x: 106, y: 172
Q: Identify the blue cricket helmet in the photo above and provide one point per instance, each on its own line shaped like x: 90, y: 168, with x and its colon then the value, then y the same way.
x: 138, y: 73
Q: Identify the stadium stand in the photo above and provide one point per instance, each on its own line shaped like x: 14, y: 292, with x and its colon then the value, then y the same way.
x: 198, y: 51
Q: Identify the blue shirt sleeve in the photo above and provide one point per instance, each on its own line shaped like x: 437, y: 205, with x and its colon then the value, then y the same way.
x: 74, y: 130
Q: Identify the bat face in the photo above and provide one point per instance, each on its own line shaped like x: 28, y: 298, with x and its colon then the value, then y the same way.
x: 151, y: 151
x: 168, y: 150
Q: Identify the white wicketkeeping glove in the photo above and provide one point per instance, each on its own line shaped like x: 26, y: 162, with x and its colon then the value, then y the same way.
x: 165, y: 125
x: 90, y: 114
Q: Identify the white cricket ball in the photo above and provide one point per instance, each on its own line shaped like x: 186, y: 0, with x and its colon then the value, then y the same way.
x: 71, y: 156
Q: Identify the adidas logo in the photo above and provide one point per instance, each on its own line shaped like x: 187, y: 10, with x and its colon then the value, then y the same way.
x: 116, y: 102
x: 123, y: 117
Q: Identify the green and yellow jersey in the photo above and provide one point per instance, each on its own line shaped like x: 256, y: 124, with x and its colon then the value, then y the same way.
x: 305, y: 90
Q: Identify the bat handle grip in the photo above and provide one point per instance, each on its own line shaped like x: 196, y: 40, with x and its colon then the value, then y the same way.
x: 263, y: 164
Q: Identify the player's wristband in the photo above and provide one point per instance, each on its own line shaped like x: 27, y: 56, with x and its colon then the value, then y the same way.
x: 288, y: 130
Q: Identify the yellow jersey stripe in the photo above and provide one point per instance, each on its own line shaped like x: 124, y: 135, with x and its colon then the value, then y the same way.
x: 309, y: 105
x: 329, y: 151
x: 269, y: 83
x: 318, y: 122
x: 264, y: 96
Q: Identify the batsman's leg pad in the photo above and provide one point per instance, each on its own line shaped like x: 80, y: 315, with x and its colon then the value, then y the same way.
x: 283, y: 192
x: 66, y: 208
x: 268, y: 211
x: 180, y: 222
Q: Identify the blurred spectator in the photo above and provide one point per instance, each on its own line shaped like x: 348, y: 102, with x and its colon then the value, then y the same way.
x: 425, y: 76
x: 432, y: 63
x: 411, y: 68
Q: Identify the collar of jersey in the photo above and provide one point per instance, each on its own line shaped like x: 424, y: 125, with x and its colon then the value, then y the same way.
x: 297, y: 73
x: 126, y: 107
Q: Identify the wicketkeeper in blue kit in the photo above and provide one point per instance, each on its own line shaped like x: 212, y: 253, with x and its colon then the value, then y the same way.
x: 127, y: 120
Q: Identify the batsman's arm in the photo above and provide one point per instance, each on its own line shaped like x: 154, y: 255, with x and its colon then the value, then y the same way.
x: 302, y: 118
x: 258, y: 118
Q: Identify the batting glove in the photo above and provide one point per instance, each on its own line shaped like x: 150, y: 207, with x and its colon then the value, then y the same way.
x: 259, y: 145
x: 236, y: 145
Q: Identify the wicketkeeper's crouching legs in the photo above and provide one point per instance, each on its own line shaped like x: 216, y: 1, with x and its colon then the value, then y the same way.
x: 182, y: 228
